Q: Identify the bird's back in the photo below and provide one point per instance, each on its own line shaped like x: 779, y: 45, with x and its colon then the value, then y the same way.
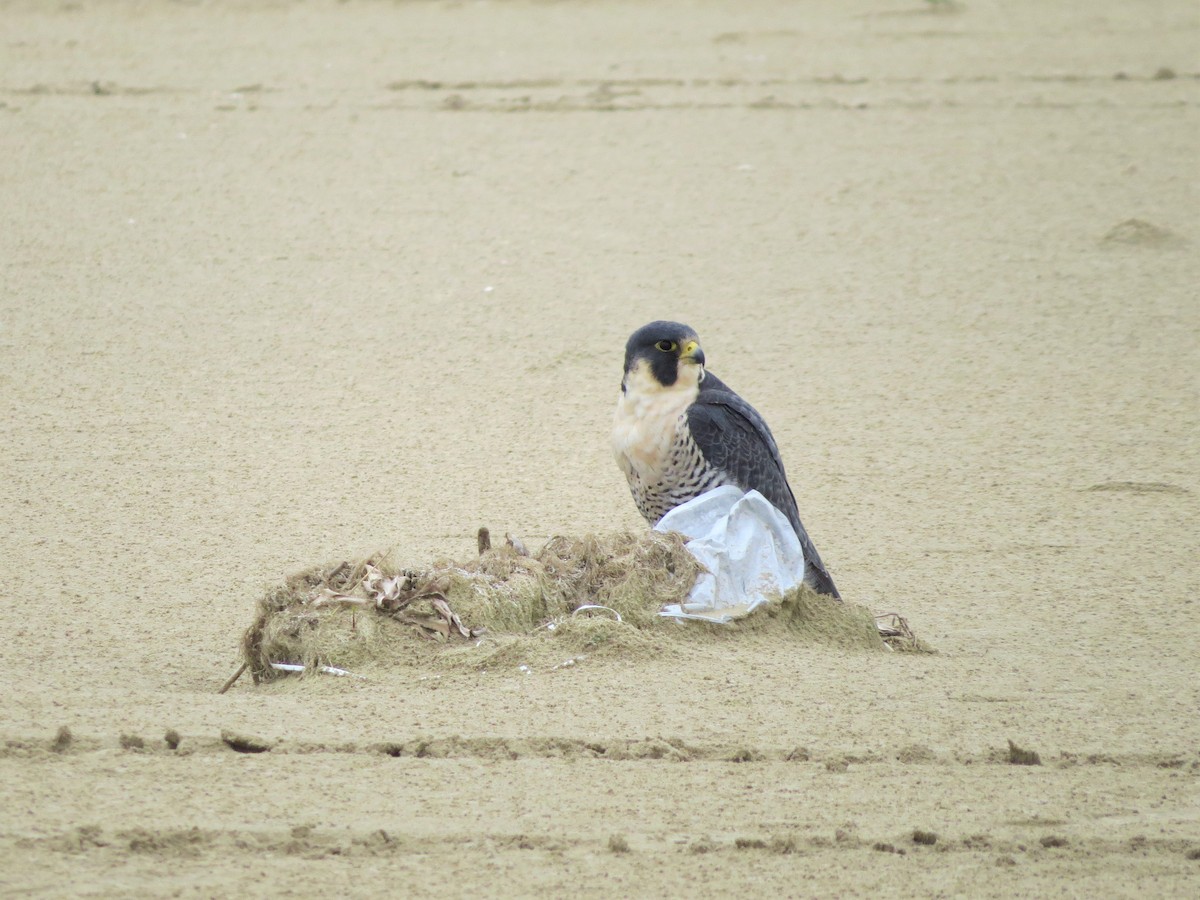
x: 735, y: 439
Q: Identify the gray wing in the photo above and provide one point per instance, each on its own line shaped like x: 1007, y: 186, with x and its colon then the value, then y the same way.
x: 734, y: 438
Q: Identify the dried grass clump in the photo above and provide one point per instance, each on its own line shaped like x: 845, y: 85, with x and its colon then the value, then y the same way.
x: 506, y: 606
x: 290, y: 627
x: 631, y: 574
x: 350, y: 613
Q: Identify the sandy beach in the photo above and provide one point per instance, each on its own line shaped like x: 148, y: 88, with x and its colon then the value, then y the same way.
x: 294, y: 282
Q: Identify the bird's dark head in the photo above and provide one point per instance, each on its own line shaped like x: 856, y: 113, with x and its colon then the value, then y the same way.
x: 665, y: 352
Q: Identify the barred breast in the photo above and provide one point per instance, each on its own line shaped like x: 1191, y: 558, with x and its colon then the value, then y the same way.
x: 683, y: 475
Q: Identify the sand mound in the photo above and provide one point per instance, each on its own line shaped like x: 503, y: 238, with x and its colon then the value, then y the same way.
x: 585, y: 594
x: 1140, y: 233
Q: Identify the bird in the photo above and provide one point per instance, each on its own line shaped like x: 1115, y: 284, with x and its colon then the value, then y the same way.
x: 680, y: 431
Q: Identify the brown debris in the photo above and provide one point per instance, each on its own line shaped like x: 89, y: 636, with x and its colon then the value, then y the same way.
x: 896, y: 634
x: 62, y: 740
x: 1019, y: 757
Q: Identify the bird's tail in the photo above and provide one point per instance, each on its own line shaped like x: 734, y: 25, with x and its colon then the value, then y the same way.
x: 820, y: 581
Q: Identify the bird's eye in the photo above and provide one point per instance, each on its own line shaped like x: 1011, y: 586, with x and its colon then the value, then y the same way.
x: 666, y: 346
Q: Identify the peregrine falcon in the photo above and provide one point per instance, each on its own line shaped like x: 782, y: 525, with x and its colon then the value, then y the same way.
x: 680, y: 431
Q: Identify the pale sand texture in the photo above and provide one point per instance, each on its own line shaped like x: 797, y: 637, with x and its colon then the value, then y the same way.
x: 285, y: 283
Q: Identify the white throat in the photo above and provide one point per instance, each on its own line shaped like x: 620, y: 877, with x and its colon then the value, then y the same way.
x: 647, y: 416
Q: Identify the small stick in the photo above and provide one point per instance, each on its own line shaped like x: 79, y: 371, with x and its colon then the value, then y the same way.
x: 893, y: 625
x: 234, y: 677
x: 331, y: 599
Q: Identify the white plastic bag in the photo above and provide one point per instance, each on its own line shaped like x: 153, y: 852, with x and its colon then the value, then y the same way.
x: 748, y: 546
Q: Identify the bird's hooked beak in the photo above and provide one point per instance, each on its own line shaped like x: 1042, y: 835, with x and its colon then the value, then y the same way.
x: 692, y: 352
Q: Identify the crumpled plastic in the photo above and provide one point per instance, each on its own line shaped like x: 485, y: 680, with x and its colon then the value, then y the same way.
x: 748, y: 546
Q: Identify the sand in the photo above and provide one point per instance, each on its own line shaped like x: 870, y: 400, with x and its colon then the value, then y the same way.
x: 288, y: 283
